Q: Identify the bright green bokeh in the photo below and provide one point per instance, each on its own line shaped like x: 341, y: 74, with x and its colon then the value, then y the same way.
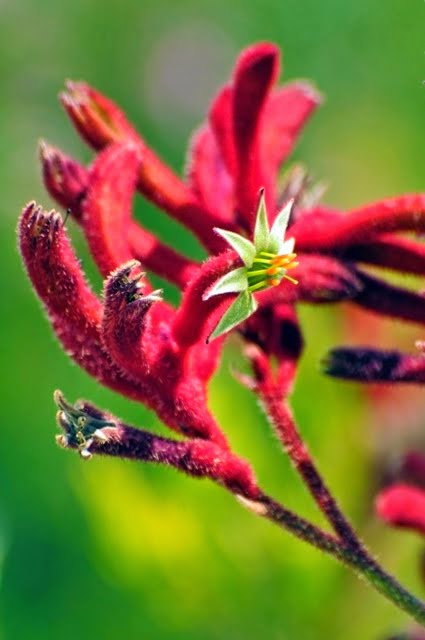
x: 116, y: 550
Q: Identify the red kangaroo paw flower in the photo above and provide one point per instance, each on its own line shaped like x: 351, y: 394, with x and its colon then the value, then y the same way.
x: 100, y: 122
x: 197, y: 458
x: 209, y: 178
x: 65, y: 179
x: 373, y: 365
x: 136, y: 333
x: 107, y: 206
x: 73, y: 309
x: 285, y: 114
x: 67, y: 182
x: 387, y: 299
x: 400, y: 254
x: 405, y: 213
x: 256, y: 72
x: 221, y: 121
x: 45, y: 248
x: 402, y: 505
x: 316, y: 217
x: 127, y: 318
x: 324, y: 279
x: 56, y: 167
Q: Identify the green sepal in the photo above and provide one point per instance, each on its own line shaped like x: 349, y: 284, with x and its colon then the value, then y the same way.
x: 261, y: 230
x: 243, y: 307
x: 243, y: 247
x: 278, y: 229
x: 232, y: 282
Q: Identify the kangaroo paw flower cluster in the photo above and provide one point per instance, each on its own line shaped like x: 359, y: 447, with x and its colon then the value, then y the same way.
x: 233, y: 201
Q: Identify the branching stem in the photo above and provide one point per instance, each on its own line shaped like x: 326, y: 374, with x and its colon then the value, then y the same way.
x: 84, y: 429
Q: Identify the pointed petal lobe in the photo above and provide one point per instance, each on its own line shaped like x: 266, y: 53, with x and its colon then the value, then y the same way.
x: 243, y: 307
x: 261, y: 230
x: 243, y: 247
x: 278, y: 229
x: 233, y: 282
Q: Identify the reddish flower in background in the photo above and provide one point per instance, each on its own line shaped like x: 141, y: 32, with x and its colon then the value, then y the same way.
x: 402, y: 502
x: 402, y: 506
x: 136, y: 343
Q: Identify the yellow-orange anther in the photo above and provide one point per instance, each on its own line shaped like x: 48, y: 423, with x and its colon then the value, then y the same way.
x: 282, y: 261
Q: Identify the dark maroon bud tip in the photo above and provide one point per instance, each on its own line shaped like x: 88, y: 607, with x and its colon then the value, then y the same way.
x: 126, y: 284
x: 367, y: 365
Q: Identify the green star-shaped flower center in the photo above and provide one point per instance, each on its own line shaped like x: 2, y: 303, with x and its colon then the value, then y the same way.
x: 266, y: 262
x: 269, y: 269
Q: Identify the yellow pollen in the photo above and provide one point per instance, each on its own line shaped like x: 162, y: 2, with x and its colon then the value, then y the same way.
x: 281, y: 261
x: 274, y: 282
x: 292, y: 265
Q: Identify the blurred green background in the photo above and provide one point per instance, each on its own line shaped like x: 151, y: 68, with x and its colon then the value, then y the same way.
x: 111, y: 549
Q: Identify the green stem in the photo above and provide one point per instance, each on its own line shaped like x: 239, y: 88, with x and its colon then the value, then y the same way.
x: 282, y: 422
x: 347, y: 547
x: 357, y: 559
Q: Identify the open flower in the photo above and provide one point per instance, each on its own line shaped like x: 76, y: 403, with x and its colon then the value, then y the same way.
x: 266, y: 262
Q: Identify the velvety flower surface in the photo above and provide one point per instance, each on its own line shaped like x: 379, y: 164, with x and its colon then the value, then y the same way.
x: 236, y: 203
x: 140, y: 345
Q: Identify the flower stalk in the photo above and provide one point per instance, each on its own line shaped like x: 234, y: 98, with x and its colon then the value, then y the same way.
x: 194, y: 458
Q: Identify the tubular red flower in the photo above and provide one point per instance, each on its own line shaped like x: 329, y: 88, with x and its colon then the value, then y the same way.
x: 252, y: 129
x: 129, y: 333
x: 96, y: 118
x: 107, y: 206
x: 373, y: 365
x: 285, y: 113
x: 100, y: 123
x: 400, y: 254
x: 256, y: 72
x: 67, y: 183
x: 136, y: 332
x: 73, y: 309
x: 65, y: 179
x: 208, y: 177
x: 221, y: 120
x: 402, y: 505
x: 404, y: 213
x: 386, y: 299
x: 276, y: 330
